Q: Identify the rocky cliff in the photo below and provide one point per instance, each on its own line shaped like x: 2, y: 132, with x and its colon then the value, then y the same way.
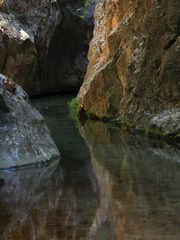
x: 24, y: 137
x: 25, y: 32
x: 44, y: 43
x: 134, y: 65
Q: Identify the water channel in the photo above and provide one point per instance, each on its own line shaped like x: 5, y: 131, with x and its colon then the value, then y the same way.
x: 108, y: 185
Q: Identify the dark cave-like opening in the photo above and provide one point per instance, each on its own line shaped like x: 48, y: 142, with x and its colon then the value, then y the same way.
x: 66, y: 61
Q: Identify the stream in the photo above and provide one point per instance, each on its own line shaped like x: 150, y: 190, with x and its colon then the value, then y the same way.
x: 108, y: 185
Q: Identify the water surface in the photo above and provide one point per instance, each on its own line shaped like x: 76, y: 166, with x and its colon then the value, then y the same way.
x: 109, y: 185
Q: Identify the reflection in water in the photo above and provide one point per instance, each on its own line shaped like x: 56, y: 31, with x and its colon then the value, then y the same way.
x: 55, y: 202
x: 37, y: 204
x: 118, y: 187
x: 139, y: 184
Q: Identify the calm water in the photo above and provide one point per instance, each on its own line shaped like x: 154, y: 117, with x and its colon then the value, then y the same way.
x: 109, y: 185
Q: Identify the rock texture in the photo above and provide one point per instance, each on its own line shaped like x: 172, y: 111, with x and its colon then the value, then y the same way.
x: 134, y: 64
x: 24, y: 137
x: 44, y: 43
x: 25, y: 32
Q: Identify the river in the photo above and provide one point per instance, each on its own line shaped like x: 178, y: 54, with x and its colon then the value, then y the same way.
x: 108, y: 185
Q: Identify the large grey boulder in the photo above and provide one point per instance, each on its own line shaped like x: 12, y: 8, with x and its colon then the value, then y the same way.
x: 24, y: 136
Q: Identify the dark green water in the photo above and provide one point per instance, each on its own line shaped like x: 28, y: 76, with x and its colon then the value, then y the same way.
x: 109, y: 185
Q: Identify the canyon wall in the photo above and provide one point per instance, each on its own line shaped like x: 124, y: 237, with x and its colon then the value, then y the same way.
x: 26, y: 28
x: 44, y: 43
x: 133, y: 74
x: 66, y: 61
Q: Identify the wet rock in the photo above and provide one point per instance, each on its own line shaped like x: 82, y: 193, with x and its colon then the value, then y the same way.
x: 134, y: 67
x: 168, y: 121
x: 24, y: 137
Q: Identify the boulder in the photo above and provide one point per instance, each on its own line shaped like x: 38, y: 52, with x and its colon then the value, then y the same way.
x: 24, y: 136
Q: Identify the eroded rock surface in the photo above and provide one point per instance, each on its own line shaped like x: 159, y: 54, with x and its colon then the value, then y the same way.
x: 26, y: 29
x: 24, y: 137
x: 44, y: 44
x: 134, y: 63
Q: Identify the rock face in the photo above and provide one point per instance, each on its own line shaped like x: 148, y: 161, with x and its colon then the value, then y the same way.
x: 25, y: 32
x: 24, y: 137
x: 44, y: 43
x: 134, y: 64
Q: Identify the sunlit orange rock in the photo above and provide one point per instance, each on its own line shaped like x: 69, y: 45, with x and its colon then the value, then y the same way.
x: 134, y: 63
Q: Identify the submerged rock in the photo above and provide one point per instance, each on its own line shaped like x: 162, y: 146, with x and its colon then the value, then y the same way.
x: 24, y: 136
x: 134, y: 68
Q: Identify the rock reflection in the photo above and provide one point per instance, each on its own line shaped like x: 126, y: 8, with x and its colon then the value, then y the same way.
x: 139, y: 183
x: 38, y: 204
x: 128, y: 191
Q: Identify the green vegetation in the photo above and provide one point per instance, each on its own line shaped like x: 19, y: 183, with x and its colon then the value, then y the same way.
x: 73, y: 107
x: 155, y: 131
x: 74, y: 104
x: 90, y: 115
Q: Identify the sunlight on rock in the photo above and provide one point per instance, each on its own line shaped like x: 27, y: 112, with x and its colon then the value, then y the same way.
x: 24, y: 35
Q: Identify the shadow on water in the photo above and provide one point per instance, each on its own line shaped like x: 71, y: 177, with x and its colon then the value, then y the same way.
x: 109, y: 185
x: 54, y: 202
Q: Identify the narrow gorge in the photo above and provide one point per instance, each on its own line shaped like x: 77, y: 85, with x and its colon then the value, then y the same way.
x: 133, y: 69
x: 89, y: 119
